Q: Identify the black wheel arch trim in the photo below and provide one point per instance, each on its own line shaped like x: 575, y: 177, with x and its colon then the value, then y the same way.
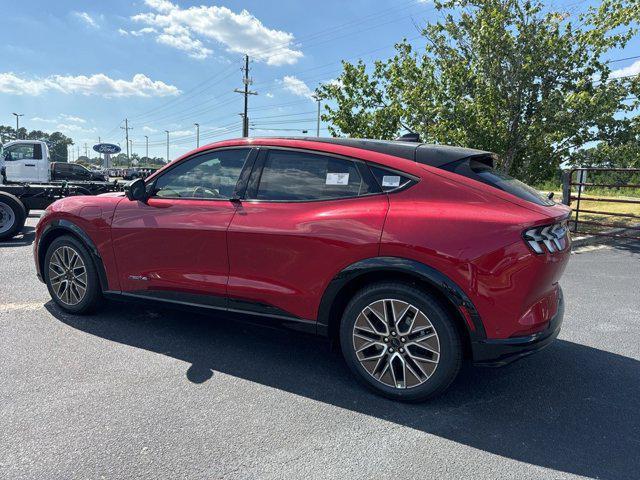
x: 436, y: 279
x: 66, y: 225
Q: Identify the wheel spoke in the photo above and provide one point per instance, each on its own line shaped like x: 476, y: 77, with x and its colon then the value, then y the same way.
x: 398, y: 371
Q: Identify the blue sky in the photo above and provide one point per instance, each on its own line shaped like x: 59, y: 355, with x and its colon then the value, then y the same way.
x: 81, y: 67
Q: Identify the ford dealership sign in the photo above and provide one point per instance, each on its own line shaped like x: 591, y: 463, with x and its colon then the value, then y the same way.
x: 107, y: 148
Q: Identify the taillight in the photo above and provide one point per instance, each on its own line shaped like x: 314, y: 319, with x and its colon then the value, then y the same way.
x: 553, y: 238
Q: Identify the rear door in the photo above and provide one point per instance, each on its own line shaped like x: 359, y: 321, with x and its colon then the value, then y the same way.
x: 305, y: 216
x: 174, y: 245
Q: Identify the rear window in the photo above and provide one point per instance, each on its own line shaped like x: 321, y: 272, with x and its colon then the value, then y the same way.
x: 388, y: 179
x: 477, y: 170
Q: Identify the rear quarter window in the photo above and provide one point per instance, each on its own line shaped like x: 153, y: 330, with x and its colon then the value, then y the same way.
x: 481, y: 172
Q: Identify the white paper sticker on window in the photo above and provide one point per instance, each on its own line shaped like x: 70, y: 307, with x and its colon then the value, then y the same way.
x: 391, y: 181
x: 337, y: 179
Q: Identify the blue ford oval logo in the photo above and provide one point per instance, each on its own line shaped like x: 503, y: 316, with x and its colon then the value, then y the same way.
x: 106, y: 148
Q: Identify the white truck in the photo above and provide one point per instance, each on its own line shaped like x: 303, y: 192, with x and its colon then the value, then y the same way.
x: 28, y: 161
x: 29, y: 180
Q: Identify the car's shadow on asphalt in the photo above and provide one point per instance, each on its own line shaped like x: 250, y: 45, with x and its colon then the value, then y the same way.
x: 23, y: 239
x: 571, y: 408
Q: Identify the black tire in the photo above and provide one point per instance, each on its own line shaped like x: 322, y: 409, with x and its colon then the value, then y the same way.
x: 93, y: 294
x: 12, y: 215
x: 447, y: 337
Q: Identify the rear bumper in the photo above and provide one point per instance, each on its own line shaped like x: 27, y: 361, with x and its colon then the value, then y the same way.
x: 498, y: 352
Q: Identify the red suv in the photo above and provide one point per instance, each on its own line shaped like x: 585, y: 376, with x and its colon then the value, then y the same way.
x: 413, y: 256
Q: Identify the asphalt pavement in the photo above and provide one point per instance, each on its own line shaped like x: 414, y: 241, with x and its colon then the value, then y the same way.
x: 150, y: 393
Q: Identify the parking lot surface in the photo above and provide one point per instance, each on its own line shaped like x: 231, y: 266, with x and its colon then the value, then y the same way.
x: 150, y: 392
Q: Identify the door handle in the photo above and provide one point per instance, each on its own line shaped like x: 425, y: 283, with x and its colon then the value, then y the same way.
x: 29, y: 164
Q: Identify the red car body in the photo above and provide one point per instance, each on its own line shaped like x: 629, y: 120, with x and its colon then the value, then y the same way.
x: 297, y: 262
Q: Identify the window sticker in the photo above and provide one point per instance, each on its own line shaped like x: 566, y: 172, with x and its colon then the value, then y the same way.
x: 391, y: 181
x: 337, y: 179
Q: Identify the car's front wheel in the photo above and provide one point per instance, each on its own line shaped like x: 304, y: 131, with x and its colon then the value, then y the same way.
x: 400, y: 341
x: 71, y: 276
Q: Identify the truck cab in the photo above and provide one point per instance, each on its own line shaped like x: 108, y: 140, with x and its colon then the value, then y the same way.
x: 26, y: 161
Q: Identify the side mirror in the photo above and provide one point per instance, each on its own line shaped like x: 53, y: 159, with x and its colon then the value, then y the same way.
x: 136, y: 190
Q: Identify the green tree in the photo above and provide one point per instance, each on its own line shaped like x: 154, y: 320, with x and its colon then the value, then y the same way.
x: 500, y: 75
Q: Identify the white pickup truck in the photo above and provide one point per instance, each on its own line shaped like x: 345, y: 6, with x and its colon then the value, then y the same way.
x: 31, y: 181
x: 28, y: 161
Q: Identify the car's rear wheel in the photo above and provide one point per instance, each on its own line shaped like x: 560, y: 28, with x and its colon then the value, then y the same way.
x: 400, y: 341
x: 71, y: 276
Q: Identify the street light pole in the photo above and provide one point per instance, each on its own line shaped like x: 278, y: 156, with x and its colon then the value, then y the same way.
x: 318, y: 121
x: 167, y: 132
x: 197, y: 134
x: 18, y: 115
x: 147, y: 147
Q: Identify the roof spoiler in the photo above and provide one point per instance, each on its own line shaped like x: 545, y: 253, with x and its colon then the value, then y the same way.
x: 409, y: 137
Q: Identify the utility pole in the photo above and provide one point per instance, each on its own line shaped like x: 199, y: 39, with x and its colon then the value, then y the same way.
x: 147, y: 147
x: 317, y: 98
x: 131, y: 146
x: 126, y: 129
x: 86, y: 152
x: 78, y: 153
x: 167, y: 131
x: 197, y: 134
x: 246, y: 92
x: 99, y: 140
x: 18, y: 115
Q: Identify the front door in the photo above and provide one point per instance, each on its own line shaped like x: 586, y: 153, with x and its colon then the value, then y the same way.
x: 174, y: 246
x: 23, y: 162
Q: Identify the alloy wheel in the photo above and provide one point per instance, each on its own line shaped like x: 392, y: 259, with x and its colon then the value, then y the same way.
x: 396, y: 343
x: 68, y: 275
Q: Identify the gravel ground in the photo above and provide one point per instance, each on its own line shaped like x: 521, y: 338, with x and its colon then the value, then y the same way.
x: 155, y: 393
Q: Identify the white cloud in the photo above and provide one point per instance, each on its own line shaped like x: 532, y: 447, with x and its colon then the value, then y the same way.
x: 98, y: 84
x: 60, y: 118
x: 44, y: 120
x: 86, y: 18
x: 269, y: 95
x: 633, y: 69
x: 148, y: 129
x: 136, y: 33
x: 182, y: 133
x: 297, y: 86
x: 73, y: 128
x: 71, y: 118
x: 185, y: 29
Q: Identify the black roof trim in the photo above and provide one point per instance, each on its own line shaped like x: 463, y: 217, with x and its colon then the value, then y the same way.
x: 433, y: 155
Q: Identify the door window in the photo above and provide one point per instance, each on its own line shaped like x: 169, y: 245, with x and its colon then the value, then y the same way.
x: 211, y: 175
x: 299, y: 176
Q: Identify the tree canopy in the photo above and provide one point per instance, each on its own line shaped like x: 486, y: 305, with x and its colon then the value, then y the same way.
x: 508, y: 76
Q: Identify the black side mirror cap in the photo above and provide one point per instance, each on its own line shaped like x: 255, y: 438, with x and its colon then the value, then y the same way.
x: 136, y: 190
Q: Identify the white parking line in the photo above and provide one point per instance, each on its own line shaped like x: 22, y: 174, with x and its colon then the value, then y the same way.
x: 13, y: 307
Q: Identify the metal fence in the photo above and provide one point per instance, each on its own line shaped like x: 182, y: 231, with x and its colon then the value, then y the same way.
x: 575, y: 185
